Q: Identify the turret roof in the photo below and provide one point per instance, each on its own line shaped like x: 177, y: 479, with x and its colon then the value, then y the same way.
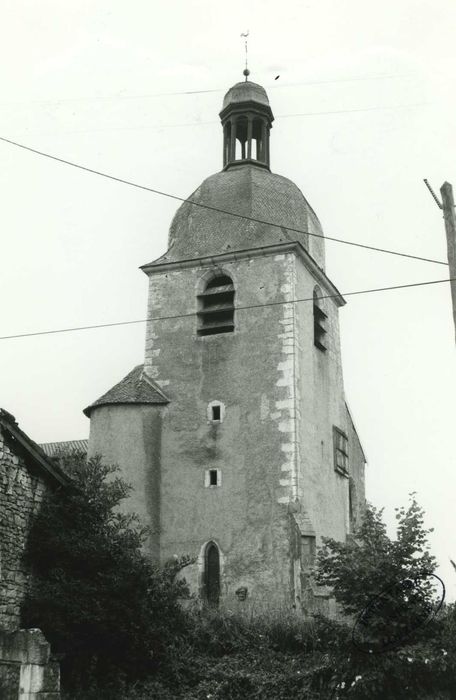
x: 135, y: 388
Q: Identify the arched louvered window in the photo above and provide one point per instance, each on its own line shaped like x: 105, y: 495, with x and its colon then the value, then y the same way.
x: 212, y: 574
x: 319, y: 318
x: 216, y: 307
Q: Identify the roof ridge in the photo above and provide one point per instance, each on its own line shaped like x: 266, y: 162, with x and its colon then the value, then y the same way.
x: 146, y: 378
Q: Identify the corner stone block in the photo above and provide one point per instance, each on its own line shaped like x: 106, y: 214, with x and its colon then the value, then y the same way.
x: 39, y: 682
x: 25, y: 647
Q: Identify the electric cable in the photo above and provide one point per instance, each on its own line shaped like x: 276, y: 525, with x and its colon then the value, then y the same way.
x: 209, y: 90
x: 217, y: 209
x: 236, y: 308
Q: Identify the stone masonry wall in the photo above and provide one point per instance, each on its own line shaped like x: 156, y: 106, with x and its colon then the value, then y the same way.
x: 26, y: 671
x: 250, y: 372
x: 21, y: 494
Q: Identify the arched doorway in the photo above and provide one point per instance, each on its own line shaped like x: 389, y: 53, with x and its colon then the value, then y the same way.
x: 211, y: 577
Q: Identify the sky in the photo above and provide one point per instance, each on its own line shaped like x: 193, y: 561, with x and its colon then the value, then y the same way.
x: 364, y: 110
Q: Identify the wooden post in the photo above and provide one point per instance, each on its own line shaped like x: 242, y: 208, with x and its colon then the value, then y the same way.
x: 449, y: 216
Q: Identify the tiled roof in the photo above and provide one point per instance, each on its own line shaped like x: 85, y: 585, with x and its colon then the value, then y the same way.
x: 250, y: 191
x: 246, y: 91
x: 135, y: 388
x: 54, y: 449
x: 34, y: 451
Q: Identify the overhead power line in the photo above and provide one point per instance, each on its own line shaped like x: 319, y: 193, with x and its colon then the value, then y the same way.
x: 179, y: 125
x: 237, y: 308
x: 217, y: 209
x: 207, y: 91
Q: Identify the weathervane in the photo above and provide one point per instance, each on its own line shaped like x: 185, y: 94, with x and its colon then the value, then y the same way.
x: 246, y: 70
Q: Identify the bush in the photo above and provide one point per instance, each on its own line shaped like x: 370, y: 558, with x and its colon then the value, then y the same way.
x: 106, y: 610
x: 116, y: 619
x: 399, y: 646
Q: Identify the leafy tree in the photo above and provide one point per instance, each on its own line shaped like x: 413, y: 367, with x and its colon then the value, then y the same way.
x: 389, y: 584
x: 387, y: 588
x: 370, y: 562
x: 97, y: 597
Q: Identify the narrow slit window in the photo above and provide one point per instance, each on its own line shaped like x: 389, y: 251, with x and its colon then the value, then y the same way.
x: 211, y: 575
x: 351, y: 509
x: 213, y: 477
x: 352, y: 505
x: 216, y: 307
x: 216, y: 413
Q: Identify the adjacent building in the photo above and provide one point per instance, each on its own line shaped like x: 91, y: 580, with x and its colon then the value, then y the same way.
x: 27, y: 476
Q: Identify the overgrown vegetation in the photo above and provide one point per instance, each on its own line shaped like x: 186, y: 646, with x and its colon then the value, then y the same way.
x: 116, y: 621
x: 107, y: 612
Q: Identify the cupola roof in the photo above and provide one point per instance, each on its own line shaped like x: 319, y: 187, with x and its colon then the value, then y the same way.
x: 268, y: 209
x: 251, y: 192
x: 246, y: 91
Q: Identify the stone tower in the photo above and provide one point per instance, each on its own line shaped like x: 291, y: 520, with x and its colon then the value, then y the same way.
x: 235, y: 432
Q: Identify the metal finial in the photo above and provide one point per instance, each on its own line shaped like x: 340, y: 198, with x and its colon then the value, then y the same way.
x: 246, y: 71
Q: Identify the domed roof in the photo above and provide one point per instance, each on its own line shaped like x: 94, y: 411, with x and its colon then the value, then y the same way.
x: 245, y: 91
x: 252, y: 192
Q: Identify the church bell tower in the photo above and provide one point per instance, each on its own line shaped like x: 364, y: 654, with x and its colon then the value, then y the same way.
x: 235, y: 432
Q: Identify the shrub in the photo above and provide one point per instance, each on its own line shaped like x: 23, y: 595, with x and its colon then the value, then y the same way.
x: 106, y: 610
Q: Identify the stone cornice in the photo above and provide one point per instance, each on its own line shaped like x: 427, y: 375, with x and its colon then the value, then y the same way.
x: 276, y: 249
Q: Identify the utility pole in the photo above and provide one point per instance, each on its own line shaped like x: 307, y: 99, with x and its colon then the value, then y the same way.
x: 449, y: 215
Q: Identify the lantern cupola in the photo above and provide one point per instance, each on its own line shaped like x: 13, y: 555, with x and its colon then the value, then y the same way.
x: 246, y: 120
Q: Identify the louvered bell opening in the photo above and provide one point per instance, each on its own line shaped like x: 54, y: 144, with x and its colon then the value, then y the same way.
x: 319, y: 328
x: 216, y: 313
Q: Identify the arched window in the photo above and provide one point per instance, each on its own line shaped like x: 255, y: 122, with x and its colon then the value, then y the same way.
x: 241, y: 138
x: 216, y: 312
x: 226, y: 143
x: 211, y: 577
x: 257, y: 140
x: 319, y: 318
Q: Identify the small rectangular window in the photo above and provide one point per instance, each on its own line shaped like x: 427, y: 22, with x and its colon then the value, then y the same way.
x: 340, y: 451
x: 212, y: 477
x: 216, y: 413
